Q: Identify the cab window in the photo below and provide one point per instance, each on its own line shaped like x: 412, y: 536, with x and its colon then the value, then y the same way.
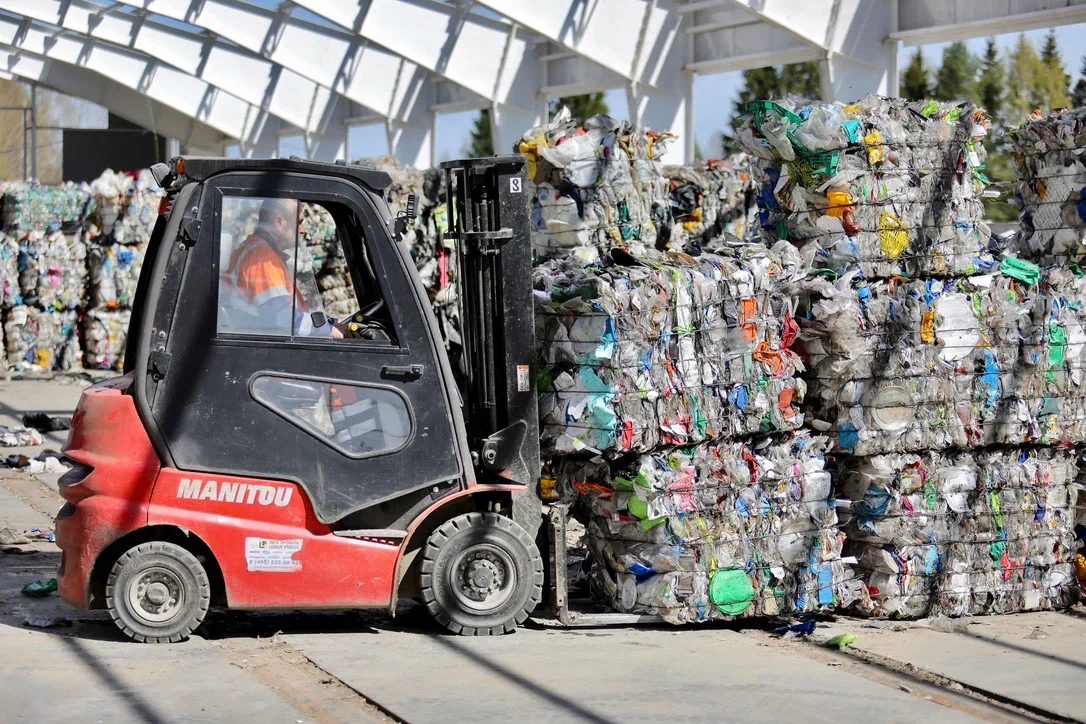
x: 285, y: 270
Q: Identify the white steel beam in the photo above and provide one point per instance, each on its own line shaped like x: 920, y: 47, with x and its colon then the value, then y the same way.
x: 849, y: 33
x: 125, y: 102
x: 191, y: 96
x: 924, y: 22
x: 334, y: 58
x: 489, y: 57
x: 280, y: 92
x: 628, y: 37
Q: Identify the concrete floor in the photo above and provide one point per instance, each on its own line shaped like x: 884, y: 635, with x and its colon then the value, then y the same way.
x: 364, y: 666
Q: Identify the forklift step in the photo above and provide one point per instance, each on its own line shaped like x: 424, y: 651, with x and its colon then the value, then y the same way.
x: 372, y: 533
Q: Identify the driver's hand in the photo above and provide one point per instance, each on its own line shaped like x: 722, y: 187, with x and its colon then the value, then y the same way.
x: 337, y: 330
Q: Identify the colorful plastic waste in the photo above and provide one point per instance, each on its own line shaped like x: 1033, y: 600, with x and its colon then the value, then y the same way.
x: 1051, y: 186
x: 893, y: 186
x: 596, y: 187
x: 713, y: 531
x: 668, y: 349
x: 711, y: 199
x: 986, y: 531
x: 104, y: 335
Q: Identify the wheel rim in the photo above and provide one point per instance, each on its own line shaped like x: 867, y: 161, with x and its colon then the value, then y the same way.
x: 483, y: 577
x: 156, y: 595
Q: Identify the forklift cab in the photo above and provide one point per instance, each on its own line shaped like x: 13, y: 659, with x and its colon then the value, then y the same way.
x: 263, y: 452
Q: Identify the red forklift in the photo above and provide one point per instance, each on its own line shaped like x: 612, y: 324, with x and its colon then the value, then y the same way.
x: 256, y: 461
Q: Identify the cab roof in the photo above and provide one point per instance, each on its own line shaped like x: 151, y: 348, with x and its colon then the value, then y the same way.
x: 200, y: 168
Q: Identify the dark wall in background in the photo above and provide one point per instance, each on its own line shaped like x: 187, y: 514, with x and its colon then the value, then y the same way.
x: 123, y: 146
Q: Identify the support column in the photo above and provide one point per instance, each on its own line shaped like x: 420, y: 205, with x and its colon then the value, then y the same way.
x: 662, y: 111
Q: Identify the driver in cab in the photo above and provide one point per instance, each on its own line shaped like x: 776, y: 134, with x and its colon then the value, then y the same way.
x: 261, y: 276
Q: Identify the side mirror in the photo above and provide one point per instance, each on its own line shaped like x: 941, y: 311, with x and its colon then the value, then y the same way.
x: 162, y: 174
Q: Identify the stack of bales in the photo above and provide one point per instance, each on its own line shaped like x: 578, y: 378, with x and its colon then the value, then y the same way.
x: 919, y: 339
x: 669, y: 403
x: 118, y: 230
x: 42, y: 274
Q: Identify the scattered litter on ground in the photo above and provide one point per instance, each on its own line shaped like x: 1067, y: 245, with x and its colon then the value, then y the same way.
x: 803, y: 628
x: 37, y: 589
x: 46, y: 622
x: 12, y: 537
x: 842, y: 641
x: 44, y: 423
x: 19, y: 437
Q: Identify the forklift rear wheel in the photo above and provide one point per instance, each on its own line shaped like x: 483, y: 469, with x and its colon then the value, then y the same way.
x: 481, y: 575
x: 157, y: 593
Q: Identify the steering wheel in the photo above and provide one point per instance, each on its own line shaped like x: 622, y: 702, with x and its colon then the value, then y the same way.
x: 362, y: 325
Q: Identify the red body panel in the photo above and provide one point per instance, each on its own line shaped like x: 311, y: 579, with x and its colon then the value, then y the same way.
x: 269, y: 545
x: 108, y: 435
x: 327, y: 571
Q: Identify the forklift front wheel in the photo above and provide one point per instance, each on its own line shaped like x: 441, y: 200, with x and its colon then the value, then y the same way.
x: 481, y: 575
x: 157, y: 593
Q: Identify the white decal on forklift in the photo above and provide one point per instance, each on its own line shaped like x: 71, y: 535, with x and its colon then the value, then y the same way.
x: 264, y: 554
x: 231, y: 492
x: 515, y: 185
x: 523, y: 382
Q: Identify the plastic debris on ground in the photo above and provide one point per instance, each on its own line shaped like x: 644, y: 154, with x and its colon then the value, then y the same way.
x: 711, y: 199
x: 892, y: 185
x: 713, y: 531
x: 596, y: 187
x: 987, y: 531
x: 1051, y: 186
x: 42, y: 422
x: 670, y: 350
x: 38, y: 589
x: 19, y: 436
x: 46, y: 621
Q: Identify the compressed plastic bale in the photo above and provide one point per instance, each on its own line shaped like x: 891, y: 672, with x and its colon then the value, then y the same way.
x: 29, y: 206
x: 104, y: 334
x: 52, y: 269
x: 69, y: 352
x: 712, y: 531
x: 596, y: 187
x: 670, y: 351
x: 710, y: 199
x: 961, y: 534
x: 1049, y: 399
x: 125, y: 207
x: 915, y: 365
x: 113, y: 272
x: 10, y: 287
x: 1050, y: 177
x: 892, y: 185
x: 31, y: 338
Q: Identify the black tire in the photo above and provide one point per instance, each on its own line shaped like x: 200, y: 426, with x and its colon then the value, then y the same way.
x: 163, y: 574
x: 467, y: 557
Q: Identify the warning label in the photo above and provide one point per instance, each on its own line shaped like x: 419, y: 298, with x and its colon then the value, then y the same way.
x: 523, y: 383
x: 263, y: 554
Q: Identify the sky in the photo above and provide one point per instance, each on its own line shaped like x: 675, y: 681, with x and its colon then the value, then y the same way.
x: 714, y: 97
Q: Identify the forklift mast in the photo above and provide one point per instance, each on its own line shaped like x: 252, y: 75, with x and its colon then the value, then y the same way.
x: 489, y: 221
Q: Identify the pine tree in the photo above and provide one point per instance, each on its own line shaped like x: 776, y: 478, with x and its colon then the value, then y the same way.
x: 1079, y: 97
x: 801, y: 79
x: 581, y: 108
x: 914, y: 83
x: 759, y: 84
x: 956, y: 77
x: 482, y: 143
x: 1026, y: 75
x: 1057, y: 83
x: 991, y: 82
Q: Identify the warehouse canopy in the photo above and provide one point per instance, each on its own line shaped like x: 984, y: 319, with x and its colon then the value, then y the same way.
x: 250, y: 71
